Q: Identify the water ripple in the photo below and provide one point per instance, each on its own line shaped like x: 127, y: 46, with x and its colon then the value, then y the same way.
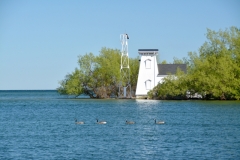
x: 39, y: 125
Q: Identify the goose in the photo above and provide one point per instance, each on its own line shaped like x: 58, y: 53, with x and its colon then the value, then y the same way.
x: 78, y: 122
x: 159, y: 122
x: 129, y: 122
x: 101, y: 122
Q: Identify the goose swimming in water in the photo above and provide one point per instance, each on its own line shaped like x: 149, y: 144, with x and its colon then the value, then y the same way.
x: 159, y: 122
x: 78, y: 122
x: 101, y: 122
x: 129, y: 122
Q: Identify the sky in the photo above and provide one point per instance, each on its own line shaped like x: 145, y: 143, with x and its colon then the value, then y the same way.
x: 40, y: 40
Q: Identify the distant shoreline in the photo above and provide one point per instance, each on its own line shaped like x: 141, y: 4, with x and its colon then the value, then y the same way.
x: 86, y: 97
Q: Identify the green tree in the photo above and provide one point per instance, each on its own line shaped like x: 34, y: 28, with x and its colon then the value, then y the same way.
x: 71, y: 85
x: 107, y: 73
x: 171, y: 88
x: 214, y: 72
x: 134, y: 69
x: 98, y: 76
x: 177, y: 61
x: 164, y: 62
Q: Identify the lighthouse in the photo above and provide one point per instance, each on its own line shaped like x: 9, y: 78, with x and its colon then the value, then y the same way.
x: 151, y: 73
x: 147, y: 75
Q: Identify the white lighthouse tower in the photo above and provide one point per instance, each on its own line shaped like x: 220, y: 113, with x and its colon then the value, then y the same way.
x: 148, y: 72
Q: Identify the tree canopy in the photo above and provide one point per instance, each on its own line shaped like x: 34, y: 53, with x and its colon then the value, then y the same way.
x: 213, y: 72
x: 98, y: 76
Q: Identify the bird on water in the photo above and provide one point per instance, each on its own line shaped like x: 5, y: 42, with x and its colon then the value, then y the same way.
x: 159, y: 122
x: 78, y: 122
x: 101, y: 122
x: 129, y: 122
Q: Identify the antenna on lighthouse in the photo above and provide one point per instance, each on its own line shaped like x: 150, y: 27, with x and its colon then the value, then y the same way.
x: 124, y: 86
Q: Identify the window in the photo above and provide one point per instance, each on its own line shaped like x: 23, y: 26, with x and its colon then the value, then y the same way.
x: 148, y: 64
x: 148, y: 84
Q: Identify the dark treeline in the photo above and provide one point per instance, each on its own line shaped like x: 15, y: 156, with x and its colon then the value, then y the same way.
x: 213, y: 72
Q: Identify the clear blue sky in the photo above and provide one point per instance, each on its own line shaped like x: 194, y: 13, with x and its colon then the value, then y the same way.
x: 40, y: 40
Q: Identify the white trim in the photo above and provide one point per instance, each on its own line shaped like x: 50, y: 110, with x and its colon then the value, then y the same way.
x: 148, y: 84
x: 148, y: 63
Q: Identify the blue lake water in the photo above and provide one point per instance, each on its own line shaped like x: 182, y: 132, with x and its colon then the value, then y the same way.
x: 40, y: 125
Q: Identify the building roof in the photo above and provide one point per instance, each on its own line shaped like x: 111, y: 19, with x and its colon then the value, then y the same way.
x: 147, y: 49
x: 148, y: 52
x: 165, y: 69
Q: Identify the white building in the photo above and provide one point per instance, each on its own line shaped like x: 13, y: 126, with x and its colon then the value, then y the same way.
x: 151, y: 73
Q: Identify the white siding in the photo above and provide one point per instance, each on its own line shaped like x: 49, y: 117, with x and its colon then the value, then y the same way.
x: 147, y: 75
x: 148, y: 84
x: 148, y: 64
